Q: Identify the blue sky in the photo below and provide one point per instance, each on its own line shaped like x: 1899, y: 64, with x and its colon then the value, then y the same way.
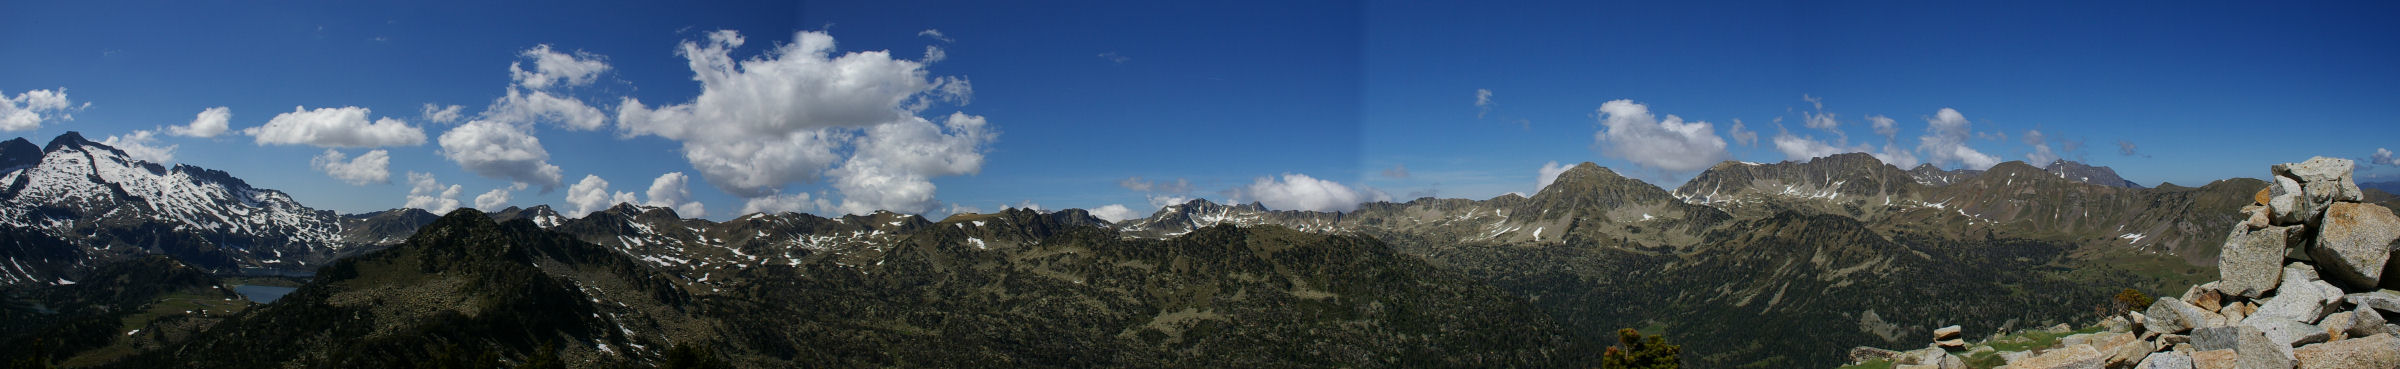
x: 1310, y: 106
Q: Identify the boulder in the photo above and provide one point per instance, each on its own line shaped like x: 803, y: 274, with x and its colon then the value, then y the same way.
x: 1951, y: 344
x: 2204, y: 296
x: 2170, y: 315
x: 2255, y: 351
x: 2288, y: 333
x: 2299, y: 298
x: 1863, y: 354
x: 2260, y: 199
x: 2380, y: 351
x: 2216, y: 338
x: 2247, y: 266
x: 2128, y: 353
x: 2350, y: 324
x: 2354, y: 242
x: 2012, y: 357
x: 2073, y: 356
x: 2119, y: 323
x: 2285, y: 204
x: 2166, y: 360
x: 2235, y: 312
x: 2325, y: 180
x: 1949, y: 332
x: 2215, y: 359
x: 2255, y: 217
x: 2386, y: 300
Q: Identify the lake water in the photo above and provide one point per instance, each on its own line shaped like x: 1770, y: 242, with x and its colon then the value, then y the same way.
x: 263, y: 294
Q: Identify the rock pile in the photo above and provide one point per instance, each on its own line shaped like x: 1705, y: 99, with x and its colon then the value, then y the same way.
x: 2300, y: 286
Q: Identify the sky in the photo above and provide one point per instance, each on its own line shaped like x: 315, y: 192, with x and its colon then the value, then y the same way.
x: 720, y: 109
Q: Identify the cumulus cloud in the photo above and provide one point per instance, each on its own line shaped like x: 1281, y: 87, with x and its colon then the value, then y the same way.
x: 2384, y: 156
x: 1945, y: 141
x: 1114, y: 213
x: 1634, y: 135
x: 371, y: 167
x: 1301, y: 192
x: 345, y: 127
x: 501, y: 151
x: 426, y: 193
x: 790, y: 115
x: 492, y: 200
x: 1742, y: 135
x: 553, y: 68
x: 142, y: 145
x: 894, y: 164
x: 1885, y: 126
x: 1549, y: 173
x: 673, y: 190
x: 1797, y: 148
x: 784, y: 203
x: 1136, y: 183
x: 29, y: 109
x: 1397, y: 171
x: 2041, y: 154
x: 592, y: 195
x: 209, y: 123
x: 441, y: 114
x: 535, y: 95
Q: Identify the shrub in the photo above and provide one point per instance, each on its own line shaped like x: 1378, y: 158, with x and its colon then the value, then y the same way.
x: 1635, y: 351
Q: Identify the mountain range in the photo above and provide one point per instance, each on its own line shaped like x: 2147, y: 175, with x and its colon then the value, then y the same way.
x: 1734, y: 264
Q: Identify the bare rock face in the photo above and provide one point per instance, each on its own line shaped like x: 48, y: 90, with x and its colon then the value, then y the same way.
x: 2355, y: 241
x: 2166, y: 360
x: 2250, y: 264
x: 2204, y: 296
x: 2387, y: 301
x: 2301, y: 298
x: 2378, y: 351
x: 2255, y: 350
x: 2286, y: 203
x: 2215, y: 359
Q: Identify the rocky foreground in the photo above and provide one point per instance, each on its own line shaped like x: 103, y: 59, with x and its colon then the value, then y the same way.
x: 2305, y: 282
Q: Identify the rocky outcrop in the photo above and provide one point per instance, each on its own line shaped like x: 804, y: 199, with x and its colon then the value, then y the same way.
x: 2355, y: 242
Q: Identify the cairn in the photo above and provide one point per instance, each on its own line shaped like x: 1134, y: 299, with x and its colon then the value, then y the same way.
x: 2302, y: 284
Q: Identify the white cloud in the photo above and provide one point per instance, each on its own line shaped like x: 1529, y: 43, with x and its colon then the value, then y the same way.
x: 2382, y: 156
x: 935, y: 34
x: 2041, y: 155
x: 209, y: 123
x: 371, y: 167
x: 492, y: 200
x: 1742, y: 135
x: 1136, y: 183
x: 426, y: 193
x: 673, y: 190
x: 1636, y: 136
x: 784, y: 203
x: 1114, y: 213
x: 29, y: 109
x: 1885, y: 126
x: 1483, y: 102
x: 551, y: 68
x: 1301, y: 192
x: 142, y: 145
x: 1894, y: 155
x: 894, y: 163
x: 1549, y: 173
x: 335, y: 127
x: 1797, y: 148
x: 592, y: 195
x: 501, y: 151
x: 523, y: 107
x: 1945, y: 141
x: 785, y: 117
x: 441, y: 114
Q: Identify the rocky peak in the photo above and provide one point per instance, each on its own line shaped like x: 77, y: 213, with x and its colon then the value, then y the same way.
x: 18, y: 153
x: 1930, y: 175
x: 2080, y: 172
